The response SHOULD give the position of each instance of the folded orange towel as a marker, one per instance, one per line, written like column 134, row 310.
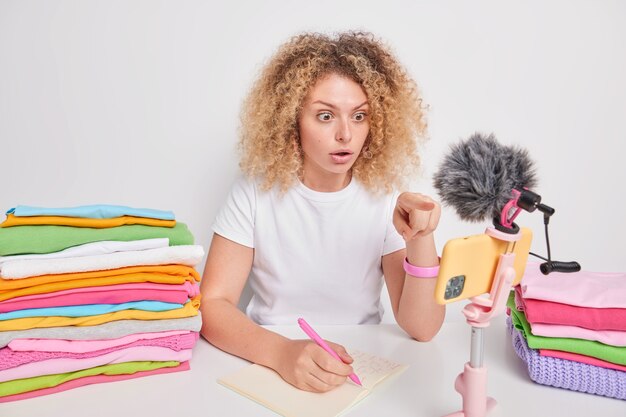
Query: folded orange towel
column 160, row 274
column 12, row 220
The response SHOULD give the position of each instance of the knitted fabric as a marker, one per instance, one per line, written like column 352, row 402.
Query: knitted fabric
column 562, row 373
column 11, row 359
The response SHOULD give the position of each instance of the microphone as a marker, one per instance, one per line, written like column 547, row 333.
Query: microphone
column 482, row 179
column 478, row 175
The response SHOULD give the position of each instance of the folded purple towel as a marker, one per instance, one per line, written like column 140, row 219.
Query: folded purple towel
column 572, row 375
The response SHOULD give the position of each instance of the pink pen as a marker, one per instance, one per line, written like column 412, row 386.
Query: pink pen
column 317, row 339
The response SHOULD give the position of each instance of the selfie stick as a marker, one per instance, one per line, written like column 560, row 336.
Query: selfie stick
column 472, row 382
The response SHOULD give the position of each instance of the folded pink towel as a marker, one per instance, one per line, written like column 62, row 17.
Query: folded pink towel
column 83, row 346
column 583, row 289
column 608, row 337
column 539, row 311
column 11, row 359
column 576, row 357
column 65, row 365
column 113, row 294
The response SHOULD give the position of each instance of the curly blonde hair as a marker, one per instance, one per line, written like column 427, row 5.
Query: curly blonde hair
column 269, row 138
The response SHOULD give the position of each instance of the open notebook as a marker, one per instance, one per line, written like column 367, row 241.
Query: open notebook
column 266, row 387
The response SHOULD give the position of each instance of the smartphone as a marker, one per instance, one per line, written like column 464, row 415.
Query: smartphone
column 468, row 265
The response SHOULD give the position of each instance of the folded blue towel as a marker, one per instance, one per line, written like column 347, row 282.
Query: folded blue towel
column 96, row 211
column 89, row 309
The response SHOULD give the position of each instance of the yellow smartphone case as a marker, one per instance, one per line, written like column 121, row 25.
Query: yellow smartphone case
column 468, row 265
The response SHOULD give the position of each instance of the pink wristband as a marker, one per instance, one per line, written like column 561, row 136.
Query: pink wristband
column 420, row 271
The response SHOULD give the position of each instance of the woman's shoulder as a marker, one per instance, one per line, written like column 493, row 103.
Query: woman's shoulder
column 246, row 183
column 243, row 188
column 252, row 188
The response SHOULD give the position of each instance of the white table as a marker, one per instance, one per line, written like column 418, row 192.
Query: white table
column 425, row 389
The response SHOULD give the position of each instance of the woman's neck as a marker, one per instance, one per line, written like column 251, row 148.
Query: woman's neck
column 326, row 183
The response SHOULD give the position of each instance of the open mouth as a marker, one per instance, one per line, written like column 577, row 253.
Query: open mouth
column 341, row 157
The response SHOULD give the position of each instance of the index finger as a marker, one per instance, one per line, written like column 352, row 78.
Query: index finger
column 411, row 201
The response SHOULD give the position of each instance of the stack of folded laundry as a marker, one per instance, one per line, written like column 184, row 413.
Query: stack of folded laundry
column 94, row 294
column 570, row 329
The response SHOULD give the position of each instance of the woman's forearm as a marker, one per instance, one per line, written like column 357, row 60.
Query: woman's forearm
column 230, row 330
column 418, row 312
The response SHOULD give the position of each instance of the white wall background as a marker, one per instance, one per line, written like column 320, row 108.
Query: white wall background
column 136, row 102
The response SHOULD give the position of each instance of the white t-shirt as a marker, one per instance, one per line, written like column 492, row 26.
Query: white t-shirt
column 317, row 255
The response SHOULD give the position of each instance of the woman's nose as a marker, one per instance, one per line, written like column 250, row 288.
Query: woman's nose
column 344, row 133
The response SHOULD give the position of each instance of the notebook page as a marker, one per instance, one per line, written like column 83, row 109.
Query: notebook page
column 372, row 369
column 266, row 387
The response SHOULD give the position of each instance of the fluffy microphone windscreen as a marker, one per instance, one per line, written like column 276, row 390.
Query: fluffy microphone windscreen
column 477, row 176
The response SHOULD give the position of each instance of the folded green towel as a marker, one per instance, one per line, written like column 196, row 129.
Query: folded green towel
column 18, row 386
column 45, row 239
column 614, row 354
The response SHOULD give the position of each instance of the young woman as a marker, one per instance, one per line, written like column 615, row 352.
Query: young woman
column 329, row 131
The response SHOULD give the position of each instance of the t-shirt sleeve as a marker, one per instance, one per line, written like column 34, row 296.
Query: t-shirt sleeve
column 235, row 220
column 393, row 240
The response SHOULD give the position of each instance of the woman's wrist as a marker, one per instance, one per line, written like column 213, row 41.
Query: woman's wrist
column 276, row 354
column 421, row 271
column 422, row 252
column 421, row 257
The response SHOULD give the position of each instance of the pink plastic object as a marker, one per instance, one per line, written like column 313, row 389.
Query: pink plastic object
column 505, row 219
column 472, row 382
column 420, row 271
column 472, row 385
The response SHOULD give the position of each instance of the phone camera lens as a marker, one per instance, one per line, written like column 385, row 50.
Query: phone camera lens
column 454, row 287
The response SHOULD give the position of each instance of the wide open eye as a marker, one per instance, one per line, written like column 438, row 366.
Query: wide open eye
column 325, row 116
column 360, row 116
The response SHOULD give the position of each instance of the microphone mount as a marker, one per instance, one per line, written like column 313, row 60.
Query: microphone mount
column 530, row 201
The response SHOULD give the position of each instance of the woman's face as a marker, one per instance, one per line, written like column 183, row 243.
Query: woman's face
column 333, row 126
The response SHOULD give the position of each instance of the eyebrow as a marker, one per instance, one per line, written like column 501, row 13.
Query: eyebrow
column 334, row 107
